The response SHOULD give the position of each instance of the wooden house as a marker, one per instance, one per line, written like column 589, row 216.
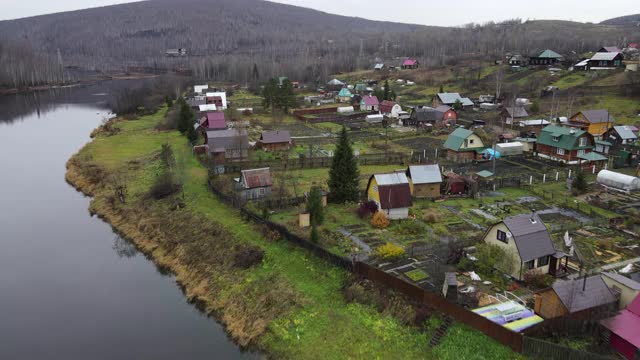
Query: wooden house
column 624, row 331
column 254, row 184
column 563, row 144
column 450, row 99
column 390, row 109
column 345, row 95
column 517, row 60
column 605, row 61
column 595, row 122
column 547, row 57
column 230, row 144
column 623, row 145
column 625, row 289
column 392, row 194
column 425, row 181
column 219, row 98
column 532, row 127
column 278, row 140
column 581, row 298
column 410, row 64
column 213, row 120
column 527, row 245
column 511, row 115
column 369, row 103
column 464, row 145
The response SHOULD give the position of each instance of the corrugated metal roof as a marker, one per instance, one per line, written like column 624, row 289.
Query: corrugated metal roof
column 539, row 122
column 531, row 237
column 344, row 92
column 550, row 54
column 634, row 285
column 335, row 82
column 607, row 56
column 255, row 178
column 207, row 107
column 425, row 174
column 614, row 49
column 387, row 106
column 370, row 101
column 220, row 140
column 566, row 139
column 627, row 324
column 596, row 293
column 273, row 137
column 391, row 179
column 456, row 139
column 625, row 132
column 597, row 116
column 592, row 156
column 516, row 112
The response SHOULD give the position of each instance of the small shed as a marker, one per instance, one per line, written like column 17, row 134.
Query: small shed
column 450, row 287
column 254, row 184
column 617, row 181
column 454, row 183
column 510, row 149
column 375, row 119
column 346, row 110
column 425, row 180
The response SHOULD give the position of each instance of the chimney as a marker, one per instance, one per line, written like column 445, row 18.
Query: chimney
column 533, row 217
column 584, row 283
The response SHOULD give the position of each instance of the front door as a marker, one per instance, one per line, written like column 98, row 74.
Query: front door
column 553, row 265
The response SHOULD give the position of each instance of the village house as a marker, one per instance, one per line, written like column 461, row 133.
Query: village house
column 580, row 298
column 335, row 85
column 532, row 127
column 517, row 60
column 464, row 145
column 623, row 146
column 254, row 184
column 450, row 99
column 219, row 98
column 605, row 61
column 609, row 49
column 230, row 144
column 369, row 103
column 547, row 57
column 344, row 95
column 278, row 140
column 392, row 194
column 595, row 122
column 425, row 181
column 213, row 121
column 624, row 331
column 527, row 245
column 511, row 115
column 625, row 289
column 199, row 89
column 410, row 64
column 390, row 109
column 378, row 67
column 563, row 144
column 441, row 116
column 207, row 107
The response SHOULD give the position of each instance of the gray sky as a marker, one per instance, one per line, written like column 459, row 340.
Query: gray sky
column 427, row 12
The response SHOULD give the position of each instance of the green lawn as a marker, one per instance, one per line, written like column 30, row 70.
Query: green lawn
column 571, row 80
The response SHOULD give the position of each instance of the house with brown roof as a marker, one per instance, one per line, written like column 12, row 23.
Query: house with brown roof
column 511, row 115
column 390, row 109
column 230, row 144
column 581, row 298
column 278, row 140
column 423, row 116
column 527, row 245
column 595, row 122
column 254, row 184
column 392, row 194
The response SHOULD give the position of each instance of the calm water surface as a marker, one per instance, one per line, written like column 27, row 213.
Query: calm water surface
column 69, row 287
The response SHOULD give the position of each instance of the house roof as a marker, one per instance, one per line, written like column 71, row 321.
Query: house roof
column 275, row 137
column 410, row 62
column 207, row 107
column 550, row 54
column 379, row 66
column 443, row 108
column 425, row 174
column 531, row 237
column 592, row 156
column 386, row 106
column 597, row 116
column 537, row 122
column 484, row 173
column 344, row 92
column 215, row 120
column 516, row 112
column 611, row 49
column 394, row 190
column 256, row 178
column 220, row 140
column 196, row 102
column 335, row 82
column 566, row 139
column 596, row 293
column 605, row 56
column 370, row 100
column 625, row 132
column 456, row 139
column 450, row 99
column 631, row 284
column 426, row 114
column 627, row 324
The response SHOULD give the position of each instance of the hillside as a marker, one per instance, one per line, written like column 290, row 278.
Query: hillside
column 633, row 20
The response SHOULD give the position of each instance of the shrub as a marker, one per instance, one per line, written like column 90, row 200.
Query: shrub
column 367, row 208
column 248, row 256
column 465, row 264
column 314, row 234
column 492, row 256
column 389, row 251
column 163, row 186
column 380, row 220
column 537, row 279
column 409, row 227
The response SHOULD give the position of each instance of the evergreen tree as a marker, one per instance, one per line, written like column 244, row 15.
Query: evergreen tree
column 314, row 206
column 192, row 134
column 314, row 234
column 344, row 174
column 269, row 94
column 256, row 74
column 580, row 182
column 386, row 95
column 457, row 106
column 186, row 117
column 286, row 99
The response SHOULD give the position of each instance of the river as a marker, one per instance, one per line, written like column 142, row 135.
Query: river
column 70, row 288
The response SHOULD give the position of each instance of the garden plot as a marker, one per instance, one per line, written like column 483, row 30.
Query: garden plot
column 599, row 246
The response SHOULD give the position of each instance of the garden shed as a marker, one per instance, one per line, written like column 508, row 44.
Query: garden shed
column 618, row 181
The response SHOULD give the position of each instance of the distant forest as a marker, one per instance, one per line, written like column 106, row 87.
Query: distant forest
column 251, row 41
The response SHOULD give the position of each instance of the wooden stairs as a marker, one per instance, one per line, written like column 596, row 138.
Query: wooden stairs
column 441, row 331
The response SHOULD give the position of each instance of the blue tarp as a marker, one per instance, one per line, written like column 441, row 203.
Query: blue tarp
column 490, row 154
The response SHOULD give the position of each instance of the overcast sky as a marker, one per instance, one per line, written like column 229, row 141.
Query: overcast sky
column 427, row 12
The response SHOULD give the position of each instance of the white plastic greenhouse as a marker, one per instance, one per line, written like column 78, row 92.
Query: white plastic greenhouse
column 618, row 181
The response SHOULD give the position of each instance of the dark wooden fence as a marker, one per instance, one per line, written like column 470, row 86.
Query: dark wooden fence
column 541, row 349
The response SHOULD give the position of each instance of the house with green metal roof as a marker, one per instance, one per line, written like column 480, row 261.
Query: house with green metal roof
column 344, row 95
column 464, row 145
column 547, row 57
column 564, row 144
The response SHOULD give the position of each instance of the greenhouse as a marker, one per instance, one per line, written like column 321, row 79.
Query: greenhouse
column 618, row 181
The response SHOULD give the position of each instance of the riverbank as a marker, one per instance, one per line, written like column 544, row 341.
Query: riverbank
column 290, row 305
column 92, row 79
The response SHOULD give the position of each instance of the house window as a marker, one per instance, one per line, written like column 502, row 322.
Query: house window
column 543, row 261
column 580, row 152
column 471, row 141
column 583, row 141
column 262, row 191
column 375, row 188
column 502, row 236
column 560, row 151
column 556, row 138
column 529, row 265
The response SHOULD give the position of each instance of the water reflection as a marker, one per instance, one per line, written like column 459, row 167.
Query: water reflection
column 124, row 248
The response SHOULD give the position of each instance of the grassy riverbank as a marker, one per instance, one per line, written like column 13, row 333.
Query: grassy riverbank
column 289, row 306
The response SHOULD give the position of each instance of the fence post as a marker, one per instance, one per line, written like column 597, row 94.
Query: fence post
column 557, row 175
column 531, row 180
column 544, row 178
column 569, row 177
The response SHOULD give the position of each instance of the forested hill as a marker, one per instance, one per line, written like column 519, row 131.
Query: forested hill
column 633, row 20
column 228, row 39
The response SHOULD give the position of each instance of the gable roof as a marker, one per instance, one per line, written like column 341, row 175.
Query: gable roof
column 566, row 139
column 456, row 139
column 215, row 120
column 625, row 132
column 426, row 114
column 379, row 66
column 386, row 106
column 207, row 107
column 443, row 108
column 344, row 92
column 597, row 116
column 255, row 178
column 531, row 237
column 550, row 54
column 516, row 112
column 275, row 137
column 605, row 56
column 370, row 100
column 410, row 62
column 592, row 156
column 627, row 324
column 631, row 284
column 335, row 82
column 221, row 140
column 425, row 174
column 613, row 49
column 394, row 190
column 450, row 98
column 596, row 293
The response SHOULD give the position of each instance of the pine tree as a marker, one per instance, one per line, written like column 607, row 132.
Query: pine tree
column 457, row 106
column 386, row 94
column 580, row 182
column 269, row 93
column 314, row 206
column 286, row 98
column 192, row 135
column 344, row 174
column 186, row 117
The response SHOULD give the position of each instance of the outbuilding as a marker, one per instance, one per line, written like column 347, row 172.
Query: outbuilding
column 375, row 119
column 510, row 149
column 425, row 180
column 617, row 181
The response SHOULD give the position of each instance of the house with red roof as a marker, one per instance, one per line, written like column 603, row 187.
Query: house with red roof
column 213, row 120
column 624, row 331
column 410, row 64
column 254, row 184
column 369, row 103
column 390, row 109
